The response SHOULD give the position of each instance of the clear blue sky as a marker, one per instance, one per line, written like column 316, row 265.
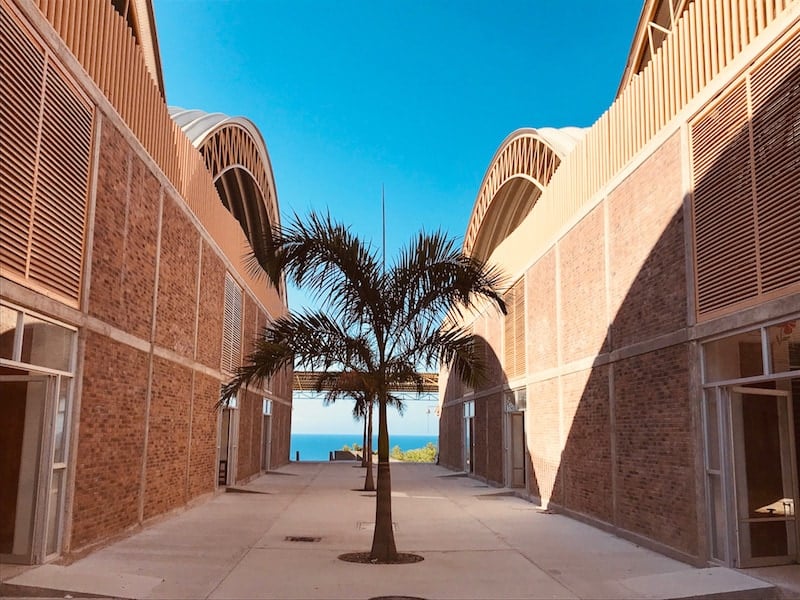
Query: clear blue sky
column 416, row 96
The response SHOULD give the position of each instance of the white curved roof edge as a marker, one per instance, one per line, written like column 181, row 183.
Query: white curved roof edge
column 198, row 125
column 562, row 139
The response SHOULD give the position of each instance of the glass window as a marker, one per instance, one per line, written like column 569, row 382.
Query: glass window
column 734, row 357
column 717, row 505
column 267, row 406
column 712, row 430
column 53, row 510
column 469, row 409
column 46, row 344
column 515, row 400
column 784, row 346
column 61, row 421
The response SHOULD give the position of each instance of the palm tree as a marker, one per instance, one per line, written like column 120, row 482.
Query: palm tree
column 356, row 386
column 383, row 324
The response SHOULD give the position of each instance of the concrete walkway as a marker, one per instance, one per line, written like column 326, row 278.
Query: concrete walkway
column 477, row 543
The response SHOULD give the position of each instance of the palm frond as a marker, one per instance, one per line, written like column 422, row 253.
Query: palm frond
column 336, row 266
column 433, row 277
column 459, row 351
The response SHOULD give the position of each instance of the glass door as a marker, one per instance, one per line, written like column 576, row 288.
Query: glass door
column 228, row 440
column 23, row 418
column 517, row 449
column 469, row 436
column 765, row 476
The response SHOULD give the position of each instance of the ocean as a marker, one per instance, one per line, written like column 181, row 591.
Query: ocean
column 317, row 446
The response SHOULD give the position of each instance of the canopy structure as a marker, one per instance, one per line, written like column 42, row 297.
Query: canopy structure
column 236, row 156
column 519, row 171
column 305, row 381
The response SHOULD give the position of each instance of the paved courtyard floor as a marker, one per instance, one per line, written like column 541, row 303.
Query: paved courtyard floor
column 477, row 542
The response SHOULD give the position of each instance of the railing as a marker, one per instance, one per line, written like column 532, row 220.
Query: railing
column 100, row 39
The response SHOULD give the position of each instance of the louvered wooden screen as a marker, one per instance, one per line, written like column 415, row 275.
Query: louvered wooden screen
column 705, row 39
column 100, row 39
column 775, row 89
column 746, row 173
column 45, row 141
column 514, row 331
column 232, row 327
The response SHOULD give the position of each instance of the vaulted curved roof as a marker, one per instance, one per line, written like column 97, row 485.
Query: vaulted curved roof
column 519, row 171
column 236, row 156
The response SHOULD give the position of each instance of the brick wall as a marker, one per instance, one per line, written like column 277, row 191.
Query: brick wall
column 110, row 441
column 125, row 238
column 494, row 438
column 167, row 437
column 280, row 440
column 203, row 454
column 540, row 291
column 655, row 449
column 647, row 257
column 586, row 462
column 572, row 427
column 249, row 324
column 177, row 281
column 211, row 309
column 544, row 440
column 451, row 442
column 493, row 333
column 245, row 400
column 181, row 432
column 480, row 438
column 250, row 425
column 583, row 289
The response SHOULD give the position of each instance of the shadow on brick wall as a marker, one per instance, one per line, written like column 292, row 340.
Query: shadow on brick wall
column 630, row 458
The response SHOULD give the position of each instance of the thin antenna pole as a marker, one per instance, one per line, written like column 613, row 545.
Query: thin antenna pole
column 383, row 221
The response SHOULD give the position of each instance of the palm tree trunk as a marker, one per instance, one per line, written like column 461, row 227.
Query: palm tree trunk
column 369, row 481
column 383, row 546
column 364, row 445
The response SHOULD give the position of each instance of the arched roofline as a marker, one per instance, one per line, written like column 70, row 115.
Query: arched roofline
column 204, row 128
column 527, row 153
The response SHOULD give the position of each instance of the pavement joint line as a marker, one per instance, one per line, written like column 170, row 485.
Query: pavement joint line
column 527, row 558
column 248, row 550
column 497, row 534
column 510, row 548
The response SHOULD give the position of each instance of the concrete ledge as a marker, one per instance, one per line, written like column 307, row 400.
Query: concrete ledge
column 71, row 579
column 715, row 583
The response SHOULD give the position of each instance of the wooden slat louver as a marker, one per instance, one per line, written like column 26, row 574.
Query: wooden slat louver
column 519, row 327
column 232, row 327
column 60, row 199
column 746, row 171
column 775, row 88
column 724, row 219
column 21, row 77
column 44, row 153
column 514, row 331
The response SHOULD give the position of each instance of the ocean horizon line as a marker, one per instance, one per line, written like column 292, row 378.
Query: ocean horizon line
column 318, row 446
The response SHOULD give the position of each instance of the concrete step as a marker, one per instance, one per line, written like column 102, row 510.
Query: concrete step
column 713, row 583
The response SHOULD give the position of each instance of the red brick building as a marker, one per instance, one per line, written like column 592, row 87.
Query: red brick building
column 125, row 302
column 646, row 378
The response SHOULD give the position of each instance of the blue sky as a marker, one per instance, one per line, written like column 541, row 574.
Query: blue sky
column 415, row 96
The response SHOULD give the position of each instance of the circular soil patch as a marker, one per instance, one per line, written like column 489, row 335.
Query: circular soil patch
column 403, row 558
